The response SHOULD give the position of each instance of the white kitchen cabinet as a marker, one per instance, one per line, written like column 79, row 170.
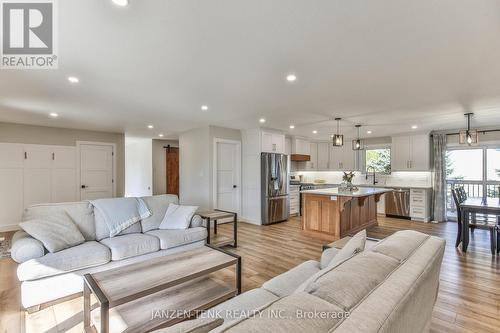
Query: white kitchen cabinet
column 272, row 142
column 301, row 146
column 420, row 204
column 312, row 164
column 323, row 155
column 294, row 199
column 410, row 153
column 342, row 158
column 288, row 145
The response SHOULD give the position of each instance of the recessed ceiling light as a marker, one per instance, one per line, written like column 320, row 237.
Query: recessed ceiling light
column 204, row 107
column 73, row 79
column 291, row 77
column 315, row 132
column 150, row 126
column 53, row 115
column 121, row 3
column 368, row 132
column 160, row 135
column 262, row 120
column 292, row 126
column 414, row 127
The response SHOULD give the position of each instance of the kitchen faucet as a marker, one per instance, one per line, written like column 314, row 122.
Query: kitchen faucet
column 374, row 175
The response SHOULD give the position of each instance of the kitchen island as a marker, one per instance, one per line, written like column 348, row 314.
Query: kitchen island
column 331, row 213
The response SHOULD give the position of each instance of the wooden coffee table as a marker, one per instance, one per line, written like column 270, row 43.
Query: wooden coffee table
column 158, row 292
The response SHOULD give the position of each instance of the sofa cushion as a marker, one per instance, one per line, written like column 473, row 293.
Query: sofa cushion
column 286, row 283
column 327, row 256
column 24, row 247
column 173, row 238
column 132, row 245
column 81, row 213
column 244, row 303
column 401, row 245
column 85, row 255
column 102, row 230
column 57, row 232
column 351, row 281
column 158, row 205
column 299, row 312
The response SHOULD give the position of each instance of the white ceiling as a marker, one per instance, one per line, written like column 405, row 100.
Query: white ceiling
column 387, row 64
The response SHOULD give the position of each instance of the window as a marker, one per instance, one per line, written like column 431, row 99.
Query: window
column 493, row 164
column 378, row 159
column 477, row 170
column 464, row 164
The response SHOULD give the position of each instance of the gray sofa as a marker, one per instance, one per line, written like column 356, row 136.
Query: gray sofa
column 390, row 287
column 47, row 277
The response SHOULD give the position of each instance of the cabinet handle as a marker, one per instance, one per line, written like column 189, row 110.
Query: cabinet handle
column 25, row 155
column 53, row 156
column 274, row 147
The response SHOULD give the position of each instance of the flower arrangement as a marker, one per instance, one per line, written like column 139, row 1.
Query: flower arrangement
column 347, row 182
column 348, row 176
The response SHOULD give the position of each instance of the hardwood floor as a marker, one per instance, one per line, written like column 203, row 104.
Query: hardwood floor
column 468, row 301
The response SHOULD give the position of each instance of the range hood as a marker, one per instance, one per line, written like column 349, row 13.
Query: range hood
column 300, row 158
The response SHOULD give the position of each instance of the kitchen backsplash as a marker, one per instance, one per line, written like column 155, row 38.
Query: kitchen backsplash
column 403, row 179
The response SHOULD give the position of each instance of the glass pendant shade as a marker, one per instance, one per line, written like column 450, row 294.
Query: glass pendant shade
column 468, row 136
column 358, row 143
column 338, row 139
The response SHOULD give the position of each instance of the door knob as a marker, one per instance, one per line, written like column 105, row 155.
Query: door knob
column 84, row 186
column 234, row 186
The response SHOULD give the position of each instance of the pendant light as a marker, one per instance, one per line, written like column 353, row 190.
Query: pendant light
column 358, row 144
column 338, row 139
column 468, row 136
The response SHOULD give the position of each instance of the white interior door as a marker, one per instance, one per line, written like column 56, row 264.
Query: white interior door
column 96, row 171
column 228, row 176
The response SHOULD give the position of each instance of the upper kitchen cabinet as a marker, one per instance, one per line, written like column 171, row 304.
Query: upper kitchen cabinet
column 410, row 153
column 272, row 142
column 323, row 156
column 301, row 146
column 313, row 153
column 342, row 158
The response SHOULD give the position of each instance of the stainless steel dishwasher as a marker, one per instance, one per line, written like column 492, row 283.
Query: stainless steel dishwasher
column 397, row 203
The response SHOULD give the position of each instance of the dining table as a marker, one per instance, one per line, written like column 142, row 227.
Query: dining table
column 487, row 206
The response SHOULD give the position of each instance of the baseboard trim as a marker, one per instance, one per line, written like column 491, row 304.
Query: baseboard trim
column 9, row 227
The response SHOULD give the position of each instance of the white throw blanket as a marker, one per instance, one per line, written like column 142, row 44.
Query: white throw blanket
column 121, row 213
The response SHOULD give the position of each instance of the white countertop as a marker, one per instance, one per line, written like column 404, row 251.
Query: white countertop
column 361, row 192
column 390, row 186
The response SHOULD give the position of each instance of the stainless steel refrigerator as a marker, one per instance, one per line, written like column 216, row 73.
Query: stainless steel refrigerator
column 274, row 187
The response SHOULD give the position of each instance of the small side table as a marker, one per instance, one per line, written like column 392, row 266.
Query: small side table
column 215, row 215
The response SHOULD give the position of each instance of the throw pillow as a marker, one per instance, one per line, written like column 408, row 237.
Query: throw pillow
column 178, row 217
column 56, row 232
column 327, row 256
column 354, row 246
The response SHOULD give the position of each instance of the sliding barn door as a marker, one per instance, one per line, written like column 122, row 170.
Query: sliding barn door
column 172, row 166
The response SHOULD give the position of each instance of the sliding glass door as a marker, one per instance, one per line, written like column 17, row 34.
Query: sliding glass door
column 477, row 169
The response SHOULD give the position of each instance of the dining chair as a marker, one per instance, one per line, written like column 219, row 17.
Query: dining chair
column 475, row 223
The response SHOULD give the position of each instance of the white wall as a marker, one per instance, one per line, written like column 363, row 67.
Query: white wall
column 194, row 168
column 138, row 167
column 196, row 163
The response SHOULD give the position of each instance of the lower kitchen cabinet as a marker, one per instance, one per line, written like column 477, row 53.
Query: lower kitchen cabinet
column 294, row 200
column 420, row 204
